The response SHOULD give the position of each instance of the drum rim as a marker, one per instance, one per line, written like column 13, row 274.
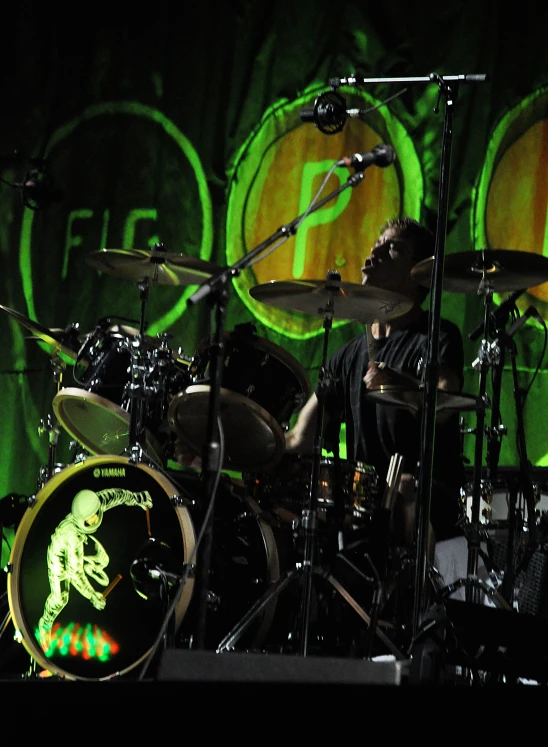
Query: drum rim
column 74, row 394
column 27, row 521
column 273, row 563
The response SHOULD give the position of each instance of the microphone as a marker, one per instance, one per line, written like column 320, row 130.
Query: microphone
column 381, row 155
column 38, row 191
column 154, row 565
column 329, row 113
column 500, row 313
column 531, row 311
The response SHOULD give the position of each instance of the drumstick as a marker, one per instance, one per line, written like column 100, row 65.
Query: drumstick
column 111, row 586
column 148, row 521
column 370, row 344
column 392, row 481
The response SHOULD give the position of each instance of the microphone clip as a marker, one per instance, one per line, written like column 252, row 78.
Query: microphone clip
column 329, row 113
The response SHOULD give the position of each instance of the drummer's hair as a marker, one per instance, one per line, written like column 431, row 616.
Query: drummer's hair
column 409, row 228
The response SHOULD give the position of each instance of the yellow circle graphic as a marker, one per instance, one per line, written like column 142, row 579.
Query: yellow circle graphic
column 274, row 180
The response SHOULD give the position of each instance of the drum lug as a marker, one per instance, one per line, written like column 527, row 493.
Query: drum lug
column 179, row 500
column 8, row 568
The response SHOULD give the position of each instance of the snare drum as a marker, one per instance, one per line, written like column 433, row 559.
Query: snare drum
column 78, row 606
column 262, row 386
column 96, row 413
column 348, row 492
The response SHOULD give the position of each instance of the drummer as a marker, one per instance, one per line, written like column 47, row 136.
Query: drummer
column 391, row 353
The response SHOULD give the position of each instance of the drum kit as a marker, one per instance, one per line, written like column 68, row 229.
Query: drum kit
column 135, row 401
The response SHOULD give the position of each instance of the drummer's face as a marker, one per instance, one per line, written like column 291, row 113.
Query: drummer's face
column 389, row 264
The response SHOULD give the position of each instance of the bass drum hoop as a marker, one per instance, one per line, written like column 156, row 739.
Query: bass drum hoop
column 23, row 633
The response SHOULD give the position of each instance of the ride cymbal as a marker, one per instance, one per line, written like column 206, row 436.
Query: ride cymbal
column 162, row 268
column 61, row 342
column 501, row 269
column 361, row 303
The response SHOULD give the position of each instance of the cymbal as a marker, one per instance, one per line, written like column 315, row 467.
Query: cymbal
column 411, row 398
column 502, row 269
column 60, row 341
column 162, row 268
column 362, row 303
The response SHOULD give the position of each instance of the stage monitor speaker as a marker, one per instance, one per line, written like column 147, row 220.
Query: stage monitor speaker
column 193, row 666
column 482, row 638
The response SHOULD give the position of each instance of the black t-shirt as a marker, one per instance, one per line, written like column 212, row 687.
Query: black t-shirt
column 389, row 430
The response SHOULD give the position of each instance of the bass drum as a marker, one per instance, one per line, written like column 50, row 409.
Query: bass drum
column 248, row 553
column 77, row 602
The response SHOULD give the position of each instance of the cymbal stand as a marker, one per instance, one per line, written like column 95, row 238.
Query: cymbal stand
column 525, row 481
column 212, row 458
column 138, row 391
column 482, row 363
column 494, row 435
column 51, row 427
column 305, row 570
column 488, row 355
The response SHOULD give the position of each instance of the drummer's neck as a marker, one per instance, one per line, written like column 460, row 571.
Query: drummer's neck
column 384, row 329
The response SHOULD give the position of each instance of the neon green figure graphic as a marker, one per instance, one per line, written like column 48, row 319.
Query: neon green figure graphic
column 67, row 560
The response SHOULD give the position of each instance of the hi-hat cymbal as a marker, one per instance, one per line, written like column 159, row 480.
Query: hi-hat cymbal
column 61, row 342
column 411, row 398
column 162, row 268
column 501, row 269
column 361, row 303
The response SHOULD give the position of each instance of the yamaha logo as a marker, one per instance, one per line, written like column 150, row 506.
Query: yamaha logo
column 109, row 472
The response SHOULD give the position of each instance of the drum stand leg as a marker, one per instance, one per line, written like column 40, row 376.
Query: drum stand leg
column 307, row 570
column 494, row 354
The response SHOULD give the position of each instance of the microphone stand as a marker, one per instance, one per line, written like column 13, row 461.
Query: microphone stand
column 448, row 86
column 428, row 423
column 216, row 288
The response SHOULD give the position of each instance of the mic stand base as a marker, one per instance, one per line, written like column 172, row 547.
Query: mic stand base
column 297, row 574
column 476, row 584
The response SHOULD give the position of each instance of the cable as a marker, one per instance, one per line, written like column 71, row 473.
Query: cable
column 191, row 560
column 260, row 257
column 537, row 369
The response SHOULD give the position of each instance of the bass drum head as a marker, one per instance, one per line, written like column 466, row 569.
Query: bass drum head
column 78, row 605
column 99, row 425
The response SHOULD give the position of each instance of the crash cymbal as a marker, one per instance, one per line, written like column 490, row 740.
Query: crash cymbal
column 361, row 303
column 411, row 398
column 61, row 342
column 502, row 269
column 162, row 268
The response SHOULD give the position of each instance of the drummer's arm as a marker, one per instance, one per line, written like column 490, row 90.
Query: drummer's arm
column 300, row 439
column 448, row 380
